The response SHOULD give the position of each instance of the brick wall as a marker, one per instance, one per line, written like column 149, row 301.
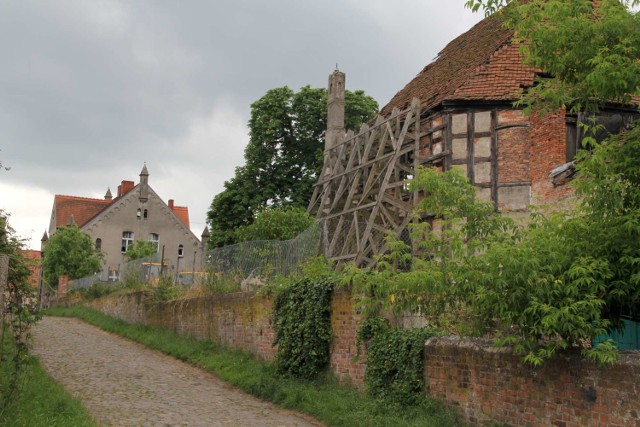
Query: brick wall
column 488, row 384
column 548, row 151
column 492, row 384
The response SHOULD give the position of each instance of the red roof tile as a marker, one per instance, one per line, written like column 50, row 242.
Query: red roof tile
column 481, row 64
column 82, row 209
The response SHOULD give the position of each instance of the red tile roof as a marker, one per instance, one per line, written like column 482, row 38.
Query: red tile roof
column 481, row 64
column 182, row 212
column 82, row 209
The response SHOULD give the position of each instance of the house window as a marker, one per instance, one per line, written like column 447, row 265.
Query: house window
column 609, row 123
column 127, row 240
column 145, row 214
column 98, row 244
column 139, row 213
column 155, row 239
column 180, row 251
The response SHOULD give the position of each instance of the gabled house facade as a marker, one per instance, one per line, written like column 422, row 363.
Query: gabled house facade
column 456, row 113
column 135, row 213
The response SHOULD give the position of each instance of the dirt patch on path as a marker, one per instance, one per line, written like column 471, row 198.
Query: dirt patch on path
column 122, row 383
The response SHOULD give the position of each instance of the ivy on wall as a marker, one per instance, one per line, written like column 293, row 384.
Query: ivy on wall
column 303, row 326
column 394, row 360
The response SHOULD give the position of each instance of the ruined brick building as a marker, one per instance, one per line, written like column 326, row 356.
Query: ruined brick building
column 456, row 113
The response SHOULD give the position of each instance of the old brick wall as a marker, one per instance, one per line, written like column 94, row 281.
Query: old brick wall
column 345, row 321
column 488, row 384
column 240, row 320
column 493, row 385
column 548, row 151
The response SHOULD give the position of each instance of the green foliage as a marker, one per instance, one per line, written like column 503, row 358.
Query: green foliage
column 452, row 226
column 301, row 313
column 552, row 284
column 70, row 251
column 19, row 313
column 322, row 398
column 283, row 157
column 283, row 223
column 140, row 249
column 167, row 290
column 394, row 360
column 590, row 55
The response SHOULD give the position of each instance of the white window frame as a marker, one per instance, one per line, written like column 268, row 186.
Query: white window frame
column 127, row 240
column 155, row 239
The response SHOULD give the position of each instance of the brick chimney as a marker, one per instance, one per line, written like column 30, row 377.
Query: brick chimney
column 125, row 187
column 170, row 204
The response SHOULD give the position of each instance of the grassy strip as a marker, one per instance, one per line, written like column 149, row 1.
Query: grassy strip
column 39, row 401
column 323, row 399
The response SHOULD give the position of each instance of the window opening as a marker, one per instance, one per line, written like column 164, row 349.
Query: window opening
column 180, row 250
column 155, row 239
column 127, row 240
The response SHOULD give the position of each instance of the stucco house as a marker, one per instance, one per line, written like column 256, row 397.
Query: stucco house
column 135, row 213
column 457, row 112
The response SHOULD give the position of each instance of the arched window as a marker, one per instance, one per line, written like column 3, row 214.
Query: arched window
column 180, row 250
column 139, row 213
column 98, row 244
column 145, row 214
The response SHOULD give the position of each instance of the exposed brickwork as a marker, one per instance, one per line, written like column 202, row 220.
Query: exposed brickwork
column 344, row 326
column 548, row 151
column 493, row 385
column 514, row 155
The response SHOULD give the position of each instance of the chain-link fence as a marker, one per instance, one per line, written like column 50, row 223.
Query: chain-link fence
column 265, row 258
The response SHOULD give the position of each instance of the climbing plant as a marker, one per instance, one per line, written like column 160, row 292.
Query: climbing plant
column 303, row 326
column 394, row 360
column 20, row 314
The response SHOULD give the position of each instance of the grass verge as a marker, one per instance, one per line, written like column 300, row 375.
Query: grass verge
column 39, row 401
column 323, row 399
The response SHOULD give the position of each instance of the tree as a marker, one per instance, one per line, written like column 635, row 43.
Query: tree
column 276, row 224
column 589, row 51
column 70, row 252
column 283, row 158
column 140, row 249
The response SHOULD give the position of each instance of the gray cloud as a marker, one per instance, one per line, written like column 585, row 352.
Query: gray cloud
column 91, row 90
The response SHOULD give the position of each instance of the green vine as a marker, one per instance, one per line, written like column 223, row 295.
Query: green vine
column 394, row 360
column 303, row 326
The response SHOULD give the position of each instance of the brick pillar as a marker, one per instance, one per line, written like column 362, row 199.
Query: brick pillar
column 63, row 282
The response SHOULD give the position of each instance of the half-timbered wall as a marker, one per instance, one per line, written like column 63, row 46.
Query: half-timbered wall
column 363, row 196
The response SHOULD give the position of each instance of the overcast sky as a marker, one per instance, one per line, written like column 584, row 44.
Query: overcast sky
column 90, row 90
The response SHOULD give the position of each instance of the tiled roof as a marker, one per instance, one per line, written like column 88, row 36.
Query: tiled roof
column 182, row 212
column 82, row 209
column 481, row 64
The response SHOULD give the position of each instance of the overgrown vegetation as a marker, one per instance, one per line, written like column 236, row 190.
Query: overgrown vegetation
column 301, row 313
column 167, row 289
column 19, row 314
column 70, row 252
column 140, row 249
column 395, row 361
column 322, row 398
column 283, row 223
column 40, row 402
column 283, row 157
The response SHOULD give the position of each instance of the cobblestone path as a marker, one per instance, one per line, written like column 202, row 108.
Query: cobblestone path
column 122, row 383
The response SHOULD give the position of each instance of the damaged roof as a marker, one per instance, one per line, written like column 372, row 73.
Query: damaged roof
column 482, row 64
